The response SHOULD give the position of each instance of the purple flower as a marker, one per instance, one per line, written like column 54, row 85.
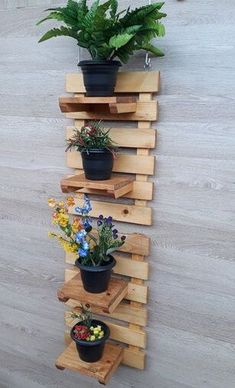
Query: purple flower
column 99, row 222
column 115, row 236
column 123, row 238
column 115, row 231
column 101, row 217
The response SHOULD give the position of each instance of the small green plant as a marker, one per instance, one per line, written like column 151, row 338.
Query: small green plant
column 91, row 136
column 105, row 32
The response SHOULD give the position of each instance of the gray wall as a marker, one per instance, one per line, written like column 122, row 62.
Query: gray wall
column 192, row 306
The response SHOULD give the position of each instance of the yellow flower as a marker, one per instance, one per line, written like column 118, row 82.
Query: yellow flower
column 50, row 234
column 61, row 204
column 70, row 201
column 92, row 338
column 76, row 225
column 63, row 220
column 51, row 202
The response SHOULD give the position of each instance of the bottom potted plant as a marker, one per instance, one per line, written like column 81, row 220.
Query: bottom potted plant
column 89, row 335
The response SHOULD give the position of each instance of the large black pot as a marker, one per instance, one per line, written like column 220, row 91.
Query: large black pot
column 96, row 279
column 99, row 77
column 97, row 164
column 91, row 351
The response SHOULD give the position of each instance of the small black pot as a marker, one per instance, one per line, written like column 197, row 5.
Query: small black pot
column 96, row 279
column 97, row 164
column 99, row 77
column 91, row 351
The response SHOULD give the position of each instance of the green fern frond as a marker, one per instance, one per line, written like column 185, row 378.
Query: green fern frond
column 120, row 40
column 62, row 31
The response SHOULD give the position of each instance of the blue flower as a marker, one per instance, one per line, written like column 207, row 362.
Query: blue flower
column 85, row 245
column 82, row 252
column 80, row 236
column 86, row 206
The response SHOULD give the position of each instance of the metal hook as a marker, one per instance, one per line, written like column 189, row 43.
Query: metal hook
column 147, row 62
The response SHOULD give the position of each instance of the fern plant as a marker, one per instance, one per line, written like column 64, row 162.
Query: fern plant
column 105, row 32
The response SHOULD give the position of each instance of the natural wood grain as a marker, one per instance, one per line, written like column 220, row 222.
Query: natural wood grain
column 142, row 111
column 127, row 137
column 135, row 292
column 126, row 82
column 107, row 301
column 116, row 186
column 124, row 266
column 123, row 312
column 101, row 370
column 125, row 213
column 131, row 357
column 135, row 337
column 115, row 105
column 135, row 243
column 124, row 163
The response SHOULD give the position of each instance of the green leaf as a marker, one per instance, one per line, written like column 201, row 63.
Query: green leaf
column 62, row 31
column 120, row 40
column 154, row 50
column 53, row 15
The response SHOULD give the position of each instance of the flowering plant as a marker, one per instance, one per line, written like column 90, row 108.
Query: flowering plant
column 93, row 246
column 91, row 136
column 86, row 331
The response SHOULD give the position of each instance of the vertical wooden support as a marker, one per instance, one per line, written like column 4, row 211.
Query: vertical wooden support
column 142, row 178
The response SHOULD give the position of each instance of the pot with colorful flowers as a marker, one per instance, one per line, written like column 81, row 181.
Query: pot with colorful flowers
column 93, row 245
column 89, row 335
column 97, row 150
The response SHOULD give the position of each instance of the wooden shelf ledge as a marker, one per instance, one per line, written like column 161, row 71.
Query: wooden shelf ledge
column 115, row 105
column 107, row 301
column 117, row 186
column 101, row 370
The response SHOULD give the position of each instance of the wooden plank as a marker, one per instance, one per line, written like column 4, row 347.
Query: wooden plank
column 134, row 337
column 120, row 212
column 127, row 137
column 139, row 191
column 117, row 108
column 107, row 301
column 124, row 266
column 131, row 164
column 116, row 186
column 135, row 243
column 101, row 370
column 81, row 99
column 131, row 357
column 127, row 82
column 123, row 312
column 135, row 292
column 146, row 111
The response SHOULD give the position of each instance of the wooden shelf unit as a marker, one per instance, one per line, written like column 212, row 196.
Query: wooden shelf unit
column 113, row 105
column 132, row 265
column 101, row 370
column 107, row 301
column 116, row 186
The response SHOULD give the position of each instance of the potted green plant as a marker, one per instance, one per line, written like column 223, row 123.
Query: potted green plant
column 108, row 35
column 89, row 335
column 97, row 150
column 93, row 246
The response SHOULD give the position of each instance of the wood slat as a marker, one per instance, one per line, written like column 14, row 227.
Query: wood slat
column 116, row 186
column 124, row 266
column 135, row 292
column 123, row 312
column 101, row 370
column 140, row 191
column 131, row 357
column 146, row 111
column 137, row 243
column 107, row 301
column 131, row 164
column 120, row 212
column 117, row 332
column 127, row 137
column 127, row 82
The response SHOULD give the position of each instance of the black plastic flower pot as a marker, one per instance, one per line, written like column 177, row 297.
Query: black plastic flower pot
column 95, row 279
column 99, row 77
column 91, row 351
column 97, row 164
